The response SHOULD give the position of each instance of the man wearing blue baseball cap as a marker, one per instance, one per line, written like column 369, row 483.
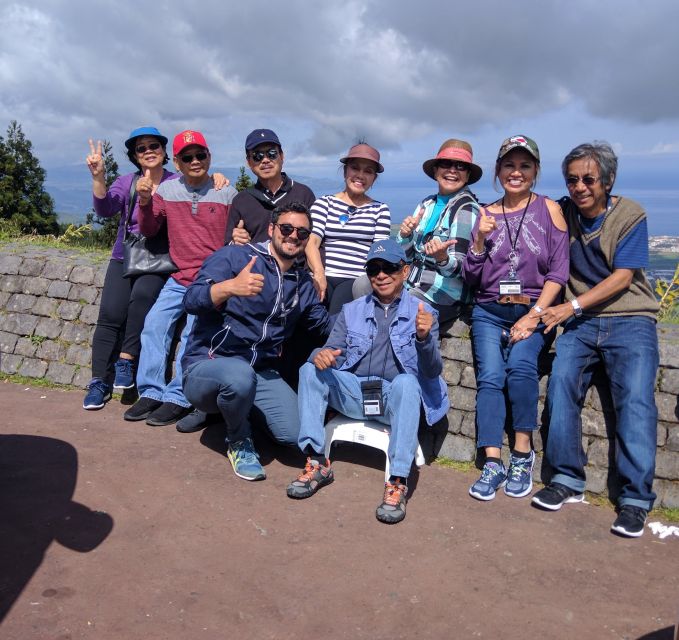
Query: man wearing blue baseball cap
column 381, row 362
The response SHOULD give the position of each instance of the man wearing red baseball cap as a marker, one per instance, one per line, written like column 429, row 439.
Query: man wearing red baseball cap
column 196, row 215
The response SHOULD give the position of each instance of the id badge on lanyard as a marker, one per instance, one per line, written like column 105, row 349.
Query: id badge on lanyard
column 511, row 285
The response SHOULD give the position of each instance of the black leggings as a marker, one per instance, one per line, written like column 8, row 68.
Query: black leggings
column 122, row 311
column 338, row 293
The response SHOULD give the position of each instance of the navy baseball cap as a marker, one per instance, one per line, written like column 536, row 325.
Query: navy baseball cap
column 260, row 136
column 388, row 250
column 144, row 131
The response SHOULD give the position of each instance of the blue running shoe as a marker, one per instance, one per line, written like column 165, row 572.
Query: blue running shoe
column 245, row 461
column 493, row 476
column 124, row 374
column 98, row 394
column 520, row 476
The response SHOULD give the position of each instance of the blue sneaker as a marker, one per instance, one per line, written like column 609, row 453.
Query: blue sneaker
column 124, row 374
column 492, row 478
column 98, row 394
column 520, row 476
column 245, row 461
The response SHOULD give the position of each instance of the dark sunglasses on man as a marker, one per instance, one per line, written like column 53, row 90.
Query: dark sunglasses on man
column 374, row 267
column 154, row 146
column 200, row 156
column 588, row 181
column 286, row 230
column 258, row 156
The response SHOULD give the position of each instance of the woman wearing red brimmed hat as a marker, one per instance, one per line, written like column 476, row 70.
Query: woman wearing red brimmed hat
column 347, row 224
column 436, row 237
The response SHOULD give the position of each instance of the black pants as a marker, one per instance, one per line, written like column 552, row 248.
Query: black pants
column 123, row 308
column 338, row 293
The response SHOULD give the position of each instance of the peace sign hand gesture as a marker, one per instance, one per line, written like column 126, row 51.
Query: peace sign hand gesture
column 95, row 160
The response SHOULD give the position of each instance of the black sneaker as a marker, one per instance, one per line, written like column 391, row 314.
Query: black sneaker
column 393, row 507
column 195, row 421
column 555, row 495
column 314, row 476
column 141, row 409
column 167, row 413
column 630, row 521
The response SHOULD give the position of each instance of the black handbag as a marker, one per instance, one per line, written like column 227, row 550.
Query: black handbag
column 141, row 254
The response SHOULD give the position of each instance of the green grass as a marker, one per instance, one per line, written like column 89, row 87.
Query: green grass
column 15, row 378
column 458, row 465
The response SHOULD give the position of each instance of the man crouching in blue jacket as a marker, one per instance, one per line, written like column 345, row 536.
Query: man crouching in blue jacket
column 380, row 362
column 247, row 300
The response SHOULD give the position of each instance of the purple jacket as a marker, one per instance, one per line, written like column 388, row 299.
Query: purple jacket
column 542, row 250
column 116, row 201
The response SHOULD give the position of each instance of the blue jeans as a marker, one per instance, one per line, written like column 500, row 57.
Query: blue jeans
column 156, row 339
column 342, row 391
column 230, row 386
column 628, row 347
column 501, row 364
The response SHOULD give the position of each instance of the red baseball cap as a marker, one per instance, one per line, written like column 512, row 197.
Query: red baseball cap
column 186, row 139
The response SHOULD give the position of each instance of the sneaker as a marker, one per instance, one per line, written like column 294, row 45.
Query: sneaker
column 141, row 409
column 493, row 476
column 124, row 374
column 520, row 476
column 630, row 521
column 195, row 421
column 245, row 461
column 314, row 476
column 393, row 507
column 167, row 413
column 555, row 495
column 98, row 394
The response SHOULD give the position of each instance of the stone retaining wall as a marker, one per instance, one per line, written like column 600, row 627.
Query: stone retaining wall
column 49, row 304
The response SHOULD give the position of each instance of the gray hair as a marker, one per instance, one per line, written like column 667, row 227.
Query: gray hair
column 602, row 154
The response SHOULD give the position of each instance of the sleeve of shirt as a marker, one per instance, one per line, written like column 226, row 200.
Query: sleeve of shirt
column 429, row 363
column 336, row 340
column 383, row 224
column 315, row 318
column 460, row 230
column 309, row 198
column 216, row 268
column 559, row 256
column 114, row 201
column 632, row 250
column 234, row 217
column 319, row 214
column 151, row 216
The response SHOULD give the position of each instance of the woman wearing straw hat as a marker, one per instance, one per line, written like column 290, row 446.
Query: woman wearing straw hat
column 347, row 224
column 436, row 237
column 518, row 264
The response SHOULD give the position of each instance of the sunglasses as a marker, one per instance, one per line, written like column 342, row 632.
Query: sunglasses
column 452, row 164
column 200, row 156
column 374, row 267
column 588, row 181
column 286, row 230
column 154, row 146
column 258, row 156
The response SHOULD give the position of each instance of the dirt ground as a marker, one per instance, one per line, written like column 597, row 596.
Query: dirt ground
column 116, row 530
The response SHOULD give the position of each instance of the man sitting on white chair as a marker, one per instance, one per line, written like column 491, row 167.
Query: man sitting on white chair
column 381, row 362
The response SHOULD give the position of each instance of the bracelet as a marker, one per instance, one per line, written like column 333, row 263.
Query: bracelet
column 478, row 255
column 537, row 308
column 443, row 263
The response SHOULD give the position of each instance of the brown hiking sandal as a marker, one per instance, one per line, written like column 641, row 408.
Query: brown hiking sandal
column 314, row 476
column 393, row 507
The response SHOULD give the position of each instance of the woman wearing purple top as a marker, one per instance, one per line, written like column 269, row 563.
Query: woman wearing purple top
column 518, row 264
column 124, row 301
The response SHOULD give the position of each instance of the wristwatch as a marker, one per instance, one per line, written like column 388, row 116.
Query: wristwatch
column 577, row 309
column 538, row 309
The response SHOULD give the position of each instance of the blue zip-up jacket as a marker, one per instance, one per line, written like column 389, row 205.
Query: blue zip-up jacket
column 253, row 328
column 354, row 332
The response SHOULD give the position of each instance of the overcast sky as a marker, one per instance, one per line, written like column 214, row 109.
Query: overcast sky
column 404, row 74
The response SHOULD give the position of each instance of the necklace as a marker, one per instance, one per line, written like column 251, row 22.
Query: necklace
column 513, row 256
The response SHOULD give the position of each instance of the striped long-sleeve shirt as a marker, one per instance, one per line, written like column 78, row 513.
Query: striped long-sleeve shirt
column 347, row 233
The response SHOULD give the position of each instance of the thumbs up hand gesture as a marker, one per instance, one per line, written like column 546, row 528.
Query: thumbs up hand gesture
column 240, row 234
column 410, row 224
column 423, row 322
column 145, row 188
column 487, row 224
column 326, row 358
column 246, row 283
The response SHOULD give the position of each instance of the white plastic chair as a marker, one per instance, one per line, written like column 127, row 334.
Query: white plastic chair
column 367, row 432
